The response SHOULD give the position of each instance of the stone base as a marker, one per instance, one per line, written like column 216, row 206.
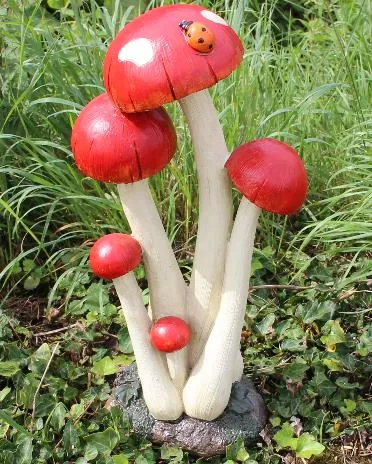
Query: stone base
column 245, row 416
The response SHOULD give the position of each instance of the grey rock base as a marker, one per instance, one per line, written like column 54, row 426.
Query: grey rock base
column 245, row 416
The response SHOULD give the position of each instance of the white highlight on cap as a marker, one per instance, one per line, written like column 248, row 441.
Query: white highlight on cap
column 213, row 17
column 100, row 125
column 138, row 51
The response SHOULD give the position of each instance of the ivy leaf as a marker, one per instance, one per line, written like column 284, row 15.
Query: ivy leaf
column 284, row 438
column 350, row 406
column 26, row 394
column 105, row 366
column 39, row 359
column 236, row 451
column 292, row 345
column 343, row 382
column 295, row 371
column 8, row 368
column 97, row 296
column 365, row 342
column 71, row 440
column 321, row 383
column 45, row 404
column 105, row 441
column 23, row 454
column 31, row 282
column 265, row 326
column 307, row 446
column 77, row 308
column 57, row 418
column 333, row 364
column 171, row 453
column 125, row 344
column 120, row 459
column 81, row 461
column 256, row 265
column 333, row 334
column 90, row 452
column 316, row 311
column 275, row 421
column 242, row 455
column 123, row 360
column 141, row 460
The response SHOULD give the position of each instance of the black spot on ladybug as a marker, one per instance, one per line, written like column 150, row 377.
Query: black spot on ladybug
column 201, row 40
column 204, row 29
column 189, row 35
column 210, row 46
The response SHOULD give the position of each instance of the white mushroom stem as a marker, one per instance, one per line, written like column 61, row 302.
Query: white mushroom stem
column 238, row 367
column 215, row 217
column 166, row 285
column 208, row 389
column 161, row 396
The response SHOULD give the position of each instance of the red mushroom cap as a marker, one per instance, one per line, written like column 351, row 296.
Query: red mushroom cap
column 150, row 62
column 114, row 255
column 111, row 146
column 270, row 174
column 170, row 334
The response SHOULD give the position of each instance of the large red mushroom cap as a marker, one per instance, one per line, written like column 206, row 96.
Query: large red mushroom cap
column 170, row 334
column 114, row 255
column 112, row 146
column 270, row 174
column 168, row 53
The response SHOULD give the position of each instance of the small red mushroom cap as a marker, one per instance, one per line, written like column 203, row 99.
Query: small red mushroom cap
column 114, row 255
column 155, row 59
column 170, row 334
column 112, row 146
column 270, row 174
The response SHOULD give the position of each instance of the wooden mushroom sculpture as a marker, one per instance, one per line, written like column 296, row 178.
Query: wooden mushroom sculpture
column 173, row 53
column 126, row 149
column 114, row 256
column 271, row 176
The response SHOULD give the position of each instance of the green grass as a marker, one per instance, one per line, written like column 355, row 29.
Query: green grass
column 305, row 79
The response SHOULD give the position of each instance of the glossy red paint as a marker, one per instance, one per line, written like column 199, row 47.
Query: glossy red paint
column 150, row 63
column 270, row 174
column 170, row 334
column 111, row 146
column 114, row 255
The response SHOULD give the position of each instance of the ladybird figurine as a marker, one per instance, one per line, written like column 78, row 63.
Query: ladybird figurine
column 198, row 36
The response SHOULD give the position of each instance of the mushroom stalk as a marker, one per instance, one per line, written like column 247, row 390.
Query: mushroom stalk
column 208, row 389
column 215, row 217
column 166, row 285
column 160, row 394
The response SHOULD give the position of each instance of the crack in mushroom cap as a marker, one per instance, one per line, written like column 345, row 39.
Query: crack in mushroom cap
column 270, row 174
column 115, row 147
column 149, row 63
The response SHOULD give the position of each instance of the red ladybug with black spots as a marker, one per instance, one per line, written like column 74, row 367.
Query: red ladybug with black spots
column 198, row 36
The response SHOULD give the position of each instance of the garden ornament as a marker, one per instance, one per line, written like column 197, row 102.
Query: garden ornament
column 172, row 53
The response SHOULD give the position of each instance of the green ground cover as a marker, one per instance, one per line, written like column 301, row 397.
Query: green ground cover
column 306, row 80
